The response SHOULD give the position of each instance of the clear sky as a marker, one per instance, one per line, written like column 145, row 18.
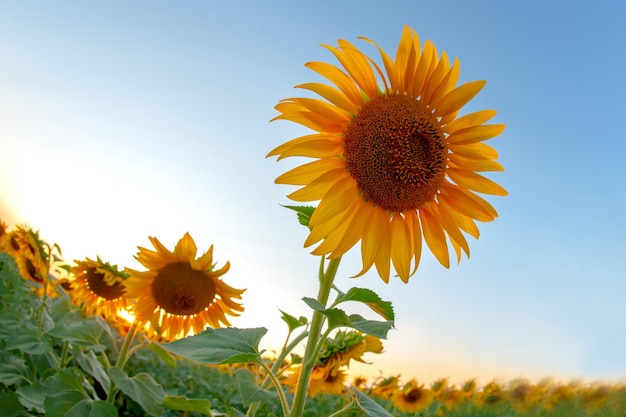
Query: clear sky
column 123, row 120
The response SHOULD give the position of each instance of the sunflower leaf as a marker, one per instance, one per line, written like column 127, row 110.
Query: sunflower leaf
column 337, row 318
column 180, row 403
column 292, row 322
column 250, row 391
column 220, row 346
column 314, row 304
column 369, row 298
column 371, row 327
column 163, row 354
column 370, row 407
column 304, row 213
column 142, row 388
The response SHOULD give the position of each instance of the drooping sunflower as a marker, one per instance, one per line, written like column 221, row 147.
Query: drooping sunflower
column 26, row 247
column 324, row 380
column 180, row 292
column 394, row 162
column 99, row 287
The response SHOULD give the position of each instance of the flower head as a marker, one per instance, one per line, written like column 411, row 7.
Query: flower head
column 412, row 397
column 394, row 163
column 179, row 292
column 99, row 287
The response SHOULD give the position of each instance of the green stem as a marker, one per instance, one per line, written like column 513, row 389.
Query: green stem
column 283, row 354
column 308, row 361
column 279, row 389
column 121, row 360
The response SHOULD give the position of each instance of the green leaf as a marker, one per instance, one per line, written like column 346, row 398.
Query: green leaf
column 89, row 363
column 198, row 405
column 250, row 391
column 220, row 346
column 337, row 318
column 304, row 213
column 63, row 391
column 142, row 388
column 10, row 405
column 313, row 303
column 12, row 369
column 32, row 396
column 91, row 408
column 292, row 322
column 372, row 327
column 27, row 340
column 369, row 406
column 371, row 299
column 80, row 332
column 163, row 354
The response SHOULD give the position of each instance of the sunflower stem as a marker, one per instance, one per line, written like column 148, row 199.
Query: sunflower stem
column 121, row 359
column 309, row 359
column 279, row 389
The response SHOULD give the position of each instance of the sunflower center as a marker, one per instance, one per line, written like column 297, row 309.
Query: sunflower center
column 32, row 270
column 180, row 289
column 396, row 151
column 413, row 395
column 97, row 285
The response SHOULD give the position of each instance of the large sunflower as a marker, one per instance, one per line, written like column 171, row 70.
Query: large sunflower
column 395, row 163
column 99, row 287
column 179, row 293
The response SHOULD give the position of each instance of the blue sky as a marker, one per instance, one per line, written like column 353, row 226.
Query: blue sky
column 120, row 121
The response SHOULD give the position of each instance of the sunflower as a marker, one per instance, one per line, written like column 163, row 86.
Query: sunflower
column 3, row 232
column 324, row 380
column 412, row 397
column 26, row 248
column 394, row 163
column 179, row 293
column 99, row 287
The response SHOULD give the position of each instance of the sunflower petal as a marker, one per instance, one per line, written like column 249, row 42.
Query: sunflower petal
column 401, row 252
column 435, row 237
column 458, row 97
column 475, row 134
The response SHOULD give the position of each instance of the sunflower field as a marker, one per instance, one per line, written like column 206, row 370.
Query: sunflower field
column 63, row 356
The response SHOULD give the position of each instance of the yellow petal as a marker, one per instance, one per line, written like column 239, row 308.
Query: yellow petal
column 469, row 120
column 435, row 237
column 369, row 244
column 339, row 78
column 475, row 151
column 389, row 66
column 475, row 182
column 337, row 97
column 336, row 200
column 401, row 251
column 317, row 188
column 311, row 146
column 304, row 174
column 477, row 165
column 458, row 97
column 442, row 68
column 355, row 229
column 413, row 223
column 475, row 134
column 447, row 83
column 468, row 203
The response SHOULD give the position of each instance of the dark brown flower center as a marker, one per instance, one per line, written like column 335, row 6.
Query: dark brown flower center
column 32, row 270
column 180, row 289
column 413, row 395
column 97, row 285
column 396, row 151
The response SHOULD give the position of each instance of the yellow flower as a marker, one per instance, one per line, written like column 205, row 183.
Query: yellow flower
column 394, row 162
column 99, row 287
column 412, row 397
column 386, row 387
column 338, row 351
column 180, row 293
column 3, row 233
column 324, row 380
column 25, row 246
